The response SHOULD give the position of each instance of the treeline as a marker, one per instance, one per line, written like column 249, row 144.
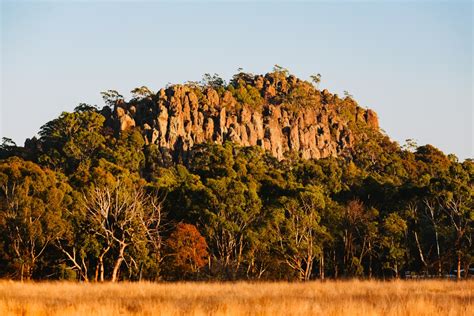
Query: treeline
column 84, row 203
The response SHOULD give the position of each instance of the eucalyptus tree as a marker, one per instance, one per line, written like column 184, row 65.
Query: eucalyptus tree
column 32, row 200
column 122, row 217
column 301, row 235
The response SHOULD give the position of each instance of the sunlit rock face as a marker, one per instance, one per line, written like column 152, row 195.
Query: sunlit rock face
column 289, row 115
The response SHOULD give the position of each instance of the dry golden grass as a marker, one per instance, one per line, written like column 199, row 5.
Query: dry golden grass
column 312, row 298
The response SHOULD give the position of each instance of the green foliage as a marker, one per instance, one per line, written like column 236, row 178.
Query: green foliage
column 301, row 95
column 377, row 210
column 316, row 79
column 280, row 70
column 32, row 202
column 112, row 97
column 246, row 94
column 141, row 93
column 214, row 81
column 394, row 229
column 301, row 235
column 261, row 218
column 71, row 139
column 126, row 151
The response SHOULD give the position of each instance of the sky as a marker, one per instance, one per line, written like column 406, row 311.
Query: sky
column 410, row 61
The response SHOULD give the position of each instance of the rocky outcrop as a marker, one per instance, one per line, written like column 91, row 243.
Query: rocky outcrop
column 372, row 119
column 124, row 120
column 181, row 116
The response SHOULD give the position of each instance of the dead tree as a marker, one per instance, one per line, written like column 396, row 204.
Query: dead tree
column 122, row 216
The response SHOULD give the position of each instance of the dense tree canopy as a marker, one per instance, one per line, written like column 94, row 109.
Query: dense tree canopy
column 87, row 202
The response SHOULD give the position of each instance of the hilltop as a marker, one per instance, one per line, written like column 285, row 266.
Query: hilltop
column 276, row 111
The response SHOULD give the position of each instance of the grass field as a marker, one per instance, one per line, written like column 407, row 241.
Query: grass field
column 312, row 298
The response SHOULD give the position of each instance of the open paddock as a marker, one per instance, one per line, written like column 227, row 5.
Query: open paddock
column 427, row 297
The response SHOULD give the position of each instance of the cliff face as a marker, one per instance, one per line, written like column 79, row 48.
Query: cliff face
column 287, row 114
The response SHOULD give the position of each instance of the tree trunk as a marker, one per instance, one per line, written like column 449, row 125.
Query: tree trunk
column 440, row 273
column 370, row 265
column 140, row 273
column 85, row 271
column 321, row 266
column 96, row 274
column 458, row 276
column 309, row 266
column 239, row 256
column 101, row 268
column 431, row 210
column 119, row 261
column 22, row 271
column 101, row 264
column 420, row 251
column 28, row 272
column 117, row 265
column 309, row 269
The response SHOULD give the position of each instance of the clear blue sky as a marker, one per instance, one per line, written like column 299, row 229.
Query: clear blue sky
column 412, row 62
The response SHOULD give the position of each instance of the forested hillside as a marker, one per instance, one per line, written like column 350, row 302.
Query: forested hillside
column 264, row 177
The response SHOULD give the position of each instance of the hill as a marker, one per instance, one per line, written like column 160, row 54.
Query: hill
column 265, row 177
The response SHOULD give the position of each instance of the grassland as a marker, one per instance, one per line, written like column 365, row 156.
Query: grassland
column 312, row 298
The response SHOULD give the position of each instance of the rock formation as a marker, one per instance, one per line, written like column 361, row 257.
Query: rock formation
column 289, row 115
